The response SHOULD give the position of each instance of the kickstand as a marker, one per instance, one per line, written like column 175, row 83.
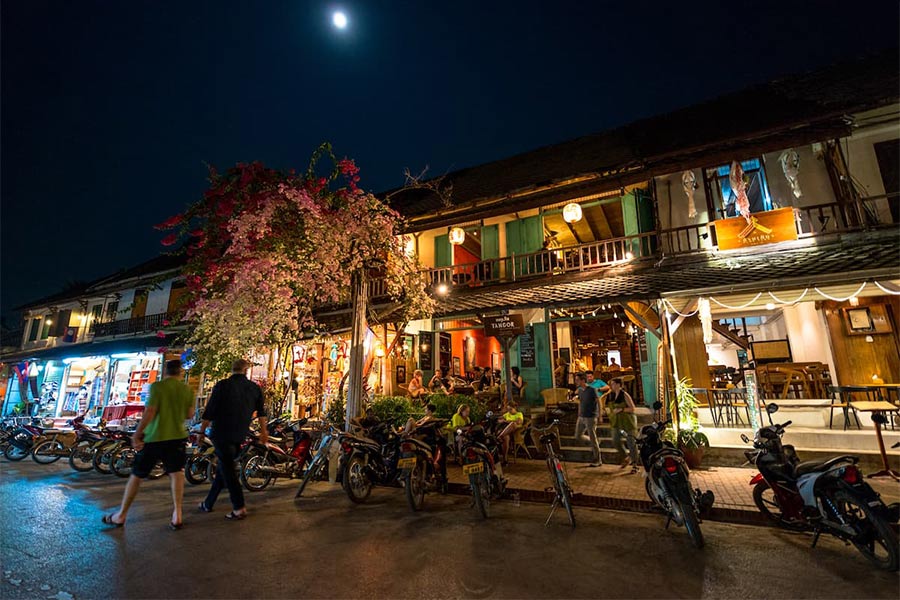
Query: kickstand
column 816, row 537
column 552, row 510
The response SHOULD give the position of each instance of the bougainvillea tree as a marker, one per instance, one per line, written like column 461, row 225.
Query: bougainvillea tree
column 267, row 248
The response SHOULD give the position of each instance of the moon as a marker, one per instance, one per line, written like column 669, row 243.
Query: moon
column 339, row 19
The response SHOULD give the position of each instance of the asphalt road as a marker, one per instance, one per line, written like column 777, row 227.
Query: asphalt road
column 322, row 546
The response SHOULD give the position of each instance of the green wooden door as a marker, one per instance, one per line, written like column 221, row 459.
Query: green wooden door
column 490, row 242
column 637, row 215
column 524, row 236
column 443, row 251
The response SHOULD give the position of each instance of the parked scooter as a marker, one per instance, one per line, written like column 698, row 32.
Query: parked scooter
column 57, row 443
column 480, row 451
column 370, row 459
column 318, row 466
column 827, row 496
column 273, row 460
column 667, row 480
column 24, row 439
column 423, row 461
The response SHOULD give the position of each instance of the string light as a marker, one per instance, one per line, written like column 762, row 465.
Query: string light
column 856, row 293
column 780, row 301
column 723, row 305
column 886, row 291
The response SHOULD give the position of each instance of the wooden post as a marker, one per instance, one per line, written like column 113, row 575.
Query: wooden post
column 357, row 348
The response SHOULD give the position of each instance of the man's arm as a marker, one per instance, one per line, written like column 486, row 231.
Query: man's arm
column 263, row 431
column 138, row 438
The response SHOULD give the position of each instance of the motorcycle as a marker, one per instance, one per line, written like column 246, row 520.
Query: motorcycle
column 201, row 462
column 25, row 438
column 423, row 461
column 319, row 464
column 667, row 480
column 57, row 443
column 273, row 461
column 822, row 496
column 369, row 459
column 480, row 451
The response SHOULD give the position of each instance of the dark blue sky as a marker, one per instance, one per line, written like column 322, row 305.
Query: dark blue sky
column 109, row 109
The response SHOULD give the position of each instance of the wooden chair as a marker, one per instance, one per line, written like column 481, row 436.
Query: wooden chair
column 554, row 396
column 841, row 396
column 705, row 398
column 797, row 382
column 518, row 441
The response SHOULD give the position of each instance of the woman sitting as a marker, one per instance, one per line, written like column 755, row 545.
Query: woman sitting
column 440, row 383
column 514, row 420
column 417, row 387
column 459, row 420
column 411, row 423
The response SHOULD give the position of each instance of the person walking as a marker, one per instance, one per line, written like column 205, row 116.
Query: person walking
column 231, row 407
column 620, row 407
column 161, row 436
column 588, row 411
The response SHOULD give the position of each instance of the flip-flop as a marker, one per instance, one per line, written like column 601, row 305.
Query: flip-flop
column 204, row 508
column 175, row 526
column 233, row 516
column 108, row 520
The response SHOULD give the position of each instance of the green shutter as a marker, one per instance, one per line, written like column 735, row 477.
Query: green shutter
column 490, row 242
column 443, row 251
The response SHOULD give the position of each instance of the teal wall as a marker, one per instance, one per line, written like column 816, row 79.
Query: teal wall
column 649, row 370
column 541, row 376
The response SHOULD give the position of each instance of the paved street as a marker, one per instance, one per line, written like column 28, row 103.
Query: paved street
column 322, row 546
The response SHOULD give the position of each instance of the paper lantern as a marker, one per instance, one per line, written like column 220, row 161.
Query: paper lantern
column 457, row 236
column 572, row 212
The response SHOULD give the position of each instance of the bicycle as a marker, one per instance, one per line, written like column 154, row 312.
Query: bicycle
column 557, row 471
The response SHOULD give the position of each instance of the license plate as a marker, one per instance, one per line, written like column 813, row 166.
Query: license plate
column 875, row 503
column 190, row 450
column 406, row 463
column 473, row 468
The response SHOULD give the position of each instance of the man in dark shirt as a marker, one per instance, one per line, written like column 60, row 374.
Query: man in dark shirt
column 231, row 407
column 588, row 411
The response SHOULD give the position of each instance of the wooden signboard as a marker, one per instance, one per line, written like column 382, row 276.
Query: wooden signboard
column 767, row 227
column 504, row 326
column 526, row 349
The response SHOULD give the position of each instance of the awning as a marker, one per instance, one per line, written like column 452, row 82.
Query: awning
column 150, row 343
column 860, row 258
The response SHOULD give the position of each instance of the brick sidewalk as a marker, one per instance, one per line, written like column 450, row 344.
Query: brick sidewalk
column 729, row 484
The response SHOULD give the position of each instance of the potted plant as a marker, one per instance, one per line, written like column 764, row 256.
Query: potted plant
column 690, row 440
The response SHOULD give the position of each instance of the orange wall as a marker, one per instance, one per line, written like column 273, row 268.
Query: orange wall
column 484, row 346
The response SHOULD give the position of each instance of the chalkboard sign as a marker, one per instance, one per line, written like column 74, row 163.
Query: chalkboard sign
column 526, row 348
column 426, row 350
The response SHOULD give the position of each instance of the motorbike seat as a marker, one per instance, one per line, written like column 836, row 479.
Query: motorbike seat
column 275, row 440
column 814, row 466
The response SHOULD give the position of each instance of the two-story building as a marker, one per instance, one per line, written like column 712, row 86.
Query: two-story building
column 97, row 345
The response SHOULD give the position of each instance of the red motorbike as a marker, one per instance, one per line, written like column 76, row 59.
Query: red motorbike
column 273, row 460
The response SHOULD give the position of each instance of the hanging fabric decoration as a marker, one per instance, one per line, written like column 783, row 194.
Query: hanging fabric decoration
column 790, row 164
column 689, row 183
column 739, row 188
column 705, row 319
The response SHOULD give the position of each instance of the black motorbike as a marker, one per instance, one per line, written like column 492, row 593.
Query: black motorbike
column 480, row 451
column 370, row 458
column 667, row 480
column 423, row 461
column 822, row 496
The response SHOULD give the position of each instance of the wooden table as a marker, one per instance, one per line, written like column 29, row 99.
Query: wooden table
column 879, row 406
column 887, row 391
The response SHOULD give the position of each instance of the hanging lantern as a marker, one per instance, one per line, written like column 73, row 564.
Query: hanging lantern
column 457, row 236
column 572, row 212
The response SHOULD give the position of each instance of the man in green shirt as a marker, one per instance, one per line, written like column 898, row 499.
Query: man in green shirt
column 160, row 437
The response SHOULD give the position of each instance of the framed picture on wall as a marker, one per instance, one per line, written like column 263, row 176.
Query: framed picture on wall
column 469, row 354
column 495, row 361
column 456, row 369
column 401, row 373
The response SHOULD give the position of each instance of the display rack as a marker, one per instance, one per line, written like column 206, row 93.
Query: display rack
column 139, row 378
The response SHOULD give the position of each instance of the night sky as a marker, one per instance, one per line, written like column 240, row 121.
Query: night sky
column 110, row 109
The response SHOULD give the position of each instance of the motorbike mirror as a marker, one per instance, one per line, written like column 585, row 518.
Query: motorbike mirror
column 744, row 438
column 459, row 432
column 771, row 408
column 489, row 414
column 657, row 405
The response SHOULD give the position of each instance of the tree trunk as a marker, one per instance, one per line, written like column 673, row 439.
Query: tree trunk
column 357, row 349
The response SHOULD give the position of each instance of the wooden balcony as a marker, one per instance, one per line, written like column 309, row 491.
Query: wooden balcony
column 133, row 326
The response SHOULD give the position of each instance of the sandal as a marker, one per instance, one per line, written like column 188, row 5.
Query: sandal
column 175, row 526
column 108, row 520
column 233, row 516
column 204, row 508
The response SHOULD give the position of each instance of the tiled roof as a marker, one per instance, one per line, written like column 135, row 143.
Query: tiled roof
column 845, row 260
column 810, row 106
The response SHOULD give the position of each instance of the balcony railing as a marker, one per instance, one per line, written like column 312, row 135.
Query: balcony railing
column 131, row 326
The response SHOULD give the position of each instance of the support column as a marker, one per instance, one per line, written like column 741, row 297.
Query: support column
column 357, row 348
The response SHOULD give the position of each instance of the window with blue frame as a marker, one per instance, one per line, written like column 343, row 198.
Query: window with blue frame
column 757, row 188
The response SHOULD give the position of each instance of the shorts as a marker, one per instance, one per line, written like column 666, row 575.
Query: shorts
column 170, row 452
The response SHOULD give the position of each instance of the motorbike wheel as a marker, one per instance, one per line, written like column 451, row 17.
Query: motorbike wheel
column 251, row 476
column 102, row 459
column 481, row 492
column 14, row 453
column 47, row 452
column 415, row 486
column 875, row 540
column 356, row 482
column 767, row 503
column 121, row 462
column 689, row 515
column 81, row 457
column 565, row 496
column 196, row 470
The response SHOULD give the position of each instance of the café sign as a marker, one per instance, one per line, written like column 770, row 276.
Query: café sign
column 762, row 228
column 504, row 325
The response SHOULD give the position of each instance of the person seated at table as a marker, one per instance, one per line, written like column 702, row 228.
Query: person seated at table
column 417, row 387
column 440, row 383
column 514, row 420
column 484, row 381
column 561, row 373
column 613, row 365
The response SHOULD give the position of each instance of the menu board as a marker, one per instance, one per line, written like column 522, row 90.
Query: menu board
column 526, row 348
column 426, row 350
